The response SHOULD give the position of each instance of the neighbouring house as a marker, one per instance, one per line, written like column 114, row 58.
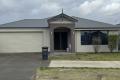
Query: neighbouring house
column 58, row 33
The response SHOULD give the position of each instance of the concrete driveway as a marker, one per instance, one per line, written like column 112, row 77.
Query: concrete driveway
column 18, row 66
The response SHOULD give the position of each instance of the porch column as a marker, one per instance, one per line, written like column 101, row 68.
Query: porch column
column 72, row 40
column 51, row 40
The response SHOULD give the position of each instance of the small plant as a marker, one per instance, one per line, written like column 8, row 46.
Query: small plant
column 43, row 68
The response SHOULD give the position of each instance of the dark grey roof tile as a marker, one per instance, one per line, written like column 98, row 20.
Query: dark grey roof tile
column 27, row 23
column 81, row 23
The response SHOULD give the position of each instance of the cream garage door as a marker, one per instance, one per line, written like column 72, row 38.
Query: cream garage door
column 15, row 42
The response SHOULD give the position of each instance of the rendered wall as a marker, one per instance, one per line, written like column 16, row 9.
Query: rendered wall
column 89, row 48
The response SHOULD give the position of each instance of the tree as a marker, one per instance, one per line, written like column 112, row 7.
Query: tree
column 112, row 42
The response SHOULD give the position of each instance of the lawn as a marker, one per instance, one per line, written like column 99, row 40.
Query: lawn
column 77, row 74
column 88, row 57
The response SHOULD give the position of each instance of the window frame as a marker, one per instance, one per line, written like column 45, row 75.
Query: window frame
column 90, row 32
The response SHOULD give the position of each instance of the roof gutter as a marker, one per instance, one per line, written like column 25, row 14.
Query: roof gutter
column 77, row 29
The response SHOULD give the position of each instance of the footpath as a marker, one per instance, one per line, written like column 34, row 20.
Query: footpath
column 89, row 64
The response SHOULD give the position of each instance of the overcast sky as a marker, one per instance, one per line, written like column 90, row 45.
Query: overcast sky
column 101, row 10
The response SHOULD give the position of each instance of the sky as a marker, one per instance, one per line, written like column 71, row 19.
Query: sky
column 107, row 11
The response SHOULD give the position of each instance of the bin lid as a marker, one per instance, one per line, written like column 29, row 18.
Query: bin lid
column 45, row 47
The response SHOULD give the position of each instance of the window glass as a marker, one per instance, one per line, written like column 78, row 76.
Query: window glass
column 87, row 37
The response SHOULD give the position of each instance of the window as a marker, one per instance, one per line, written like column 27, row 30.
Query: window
column 88, row 36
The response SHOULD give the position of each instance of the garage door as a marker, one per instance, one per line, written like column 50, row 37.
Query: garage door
column 21, row 42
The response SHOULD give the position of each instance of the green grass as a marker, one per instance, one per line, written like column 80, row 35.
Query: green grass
column 77, row 74
column 88, row 57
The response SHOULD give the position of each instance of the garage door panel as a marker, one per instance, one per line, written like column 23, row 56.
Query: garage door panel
column 21, row 42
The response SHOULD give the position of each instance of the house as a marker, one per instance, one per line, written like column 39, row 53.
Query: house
column 59, row 33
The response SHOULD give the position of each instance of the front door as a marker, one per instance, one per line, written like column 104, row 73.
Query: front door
column 60, row 40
